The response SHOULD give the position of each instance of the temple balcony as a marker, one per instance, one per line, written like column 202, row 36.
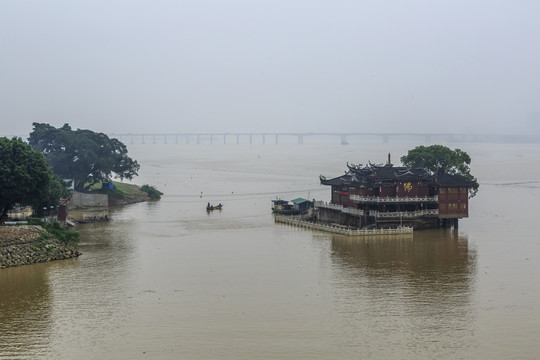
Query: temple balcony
column 343, row 209
column 393, row 199
column 379, row 214
column 406, row 214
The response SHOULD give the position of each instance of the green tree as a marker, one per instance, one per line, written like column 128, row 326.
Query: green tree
column 24, row 175
column 56, row 190
column 85, row 156
column 441, row 159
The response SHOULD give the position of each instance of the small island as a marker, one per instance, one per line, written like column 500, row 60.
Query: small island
column 431, row 190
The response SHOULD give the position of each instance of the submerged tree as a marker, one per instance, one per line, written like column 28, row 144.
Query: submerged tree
column 441, row 159
column 25, row 177
column 85, row 156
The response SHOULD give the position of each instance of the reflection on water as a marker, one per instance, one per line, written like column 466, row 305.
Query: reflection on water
column 410, row 290
column 25, row 311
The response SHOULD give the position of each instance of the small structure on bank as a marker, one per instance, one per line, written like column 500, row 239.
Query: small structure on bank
column 294, row 207
column 88, row 207
column 385, row 196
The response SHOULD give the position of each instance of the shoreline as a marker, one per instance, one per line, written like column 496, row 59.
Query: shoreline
column 26, row 245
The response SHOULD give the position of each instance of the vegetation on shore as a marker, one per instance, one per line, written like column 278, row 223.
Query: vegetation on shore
column 152, row 192
column 55, row 231
column 31, row 173
column 85, row 156
column 123, row 193
column 25, row 177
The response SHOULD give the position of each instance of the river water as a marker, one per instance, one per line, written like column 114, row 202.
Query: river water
column 167, row 280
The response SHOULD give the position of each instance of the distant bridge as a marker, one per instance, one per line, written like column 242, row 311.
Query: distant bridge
column 343, row 138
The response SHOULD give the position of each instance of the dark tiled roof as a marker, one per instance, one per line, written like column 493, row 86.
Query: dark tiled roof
column 445, row 179
column 373, row 175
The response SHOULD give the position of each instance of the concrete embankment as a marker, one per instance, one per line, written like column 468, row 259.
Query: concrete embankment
column 29, row 244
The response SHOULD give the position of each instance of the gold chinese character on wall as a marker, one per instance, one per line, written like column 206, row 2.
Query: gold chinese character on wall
column 407, row 187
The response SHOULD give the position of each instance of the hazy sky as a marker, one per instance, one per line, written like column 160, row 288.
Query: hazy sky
column 208, row 65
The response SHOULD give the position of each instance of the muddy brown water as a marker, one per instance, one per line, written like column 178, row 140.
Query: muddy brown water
column 167, row 280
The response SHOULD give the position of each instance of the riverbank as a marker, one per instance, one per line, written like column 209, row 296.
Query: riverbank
column 125, row 194
column 31, row 244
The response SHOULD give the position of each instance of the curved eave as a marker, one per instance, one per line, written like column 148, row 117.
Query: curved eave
column 331, row 182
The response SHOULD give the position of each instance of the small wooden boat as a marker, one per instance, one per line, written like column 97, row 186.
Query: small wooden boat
column 212, row 207
column 93, row 220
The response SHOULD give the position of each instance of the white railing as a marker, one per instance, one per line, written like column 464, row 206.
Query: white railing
column 336, row 229
column 388, row 199
column 378, row 214
column 405, row 214
column 343, row 209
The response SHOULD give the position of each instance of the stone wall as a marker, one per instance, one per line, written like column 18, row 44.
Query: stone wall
column 85, row 200
column 24, row 245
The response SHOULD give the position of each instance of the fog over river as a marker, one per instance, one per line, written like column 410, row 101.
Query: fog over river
column 167, row 280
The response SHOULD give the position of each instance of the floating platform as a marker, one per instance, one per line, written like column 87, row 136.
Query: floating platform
column 342, row 230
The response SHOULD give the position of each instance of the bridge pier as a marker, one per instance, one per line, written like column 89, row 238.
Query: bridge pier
column 237, row 139
column 250, row 139
column 224, row 139
column 300, row 139
column 277, row 139
column 198, row 139
column 264, row 139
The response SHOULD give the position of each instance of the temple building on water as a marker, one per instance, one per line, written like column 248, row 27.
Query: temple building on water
column 387, row 196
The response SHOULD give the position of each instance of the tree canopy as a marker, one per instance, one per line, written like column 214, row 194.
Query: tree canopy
column 85, row 156
column 441, row 159
column 25, row 177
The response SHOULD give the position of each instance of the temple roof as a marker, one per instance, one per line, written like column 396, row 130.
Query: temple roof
column 374, row 175
column 445, row 179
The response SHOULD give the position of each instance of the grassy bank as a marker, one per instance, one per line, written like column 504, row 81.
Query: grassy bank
column 123, row 194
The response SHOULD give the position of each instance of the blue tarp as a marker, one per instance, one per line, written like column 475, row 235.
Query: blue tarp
column 109, row 186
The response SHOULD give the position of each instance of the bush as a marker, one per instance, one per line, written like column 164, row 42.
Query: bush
column 152, row 192
column 35, row 221
column 61, row 234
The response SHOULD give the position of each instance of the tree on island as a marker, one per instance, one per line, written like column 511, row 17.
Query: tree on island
column 85, row 156
column 25, row 177
column 441, row 159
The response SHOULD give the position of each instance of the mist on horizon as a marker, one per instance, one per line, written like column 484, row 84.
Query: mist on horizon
column 209, row 66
